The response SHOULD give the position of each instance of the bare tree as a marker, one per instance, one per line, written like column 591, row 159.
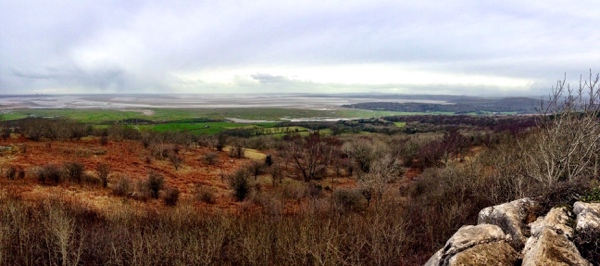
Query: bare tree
column 566, row 147
column 176, row 160
column 308, row 155
column 360, row 151
column 384, row 170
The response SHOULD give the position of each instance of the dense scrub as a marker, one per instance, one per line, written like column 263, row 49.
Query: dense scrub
column 407, row 195
column 52, row 233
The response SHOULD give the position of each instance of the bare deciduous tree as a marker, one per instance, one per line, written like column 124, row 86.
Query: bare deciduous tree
column 566, row 147
column 308, row 155
column 384, row 170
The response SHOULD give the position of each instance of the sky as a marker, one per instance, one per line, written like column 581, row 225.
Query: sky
column 484, row 48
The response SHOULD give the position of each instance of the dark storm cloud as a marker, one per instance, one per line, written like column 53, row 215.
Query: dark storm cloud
column 178, row 46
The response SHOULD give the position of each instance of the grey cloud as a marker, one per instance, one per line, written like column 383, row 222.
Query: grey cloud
column 134, row 46
column 25, row 75
column 268, row 78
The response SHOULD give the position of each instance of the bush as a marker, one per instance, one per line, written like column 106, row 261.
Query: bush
column 564, row 193
column 171, row 196
column 236, row 151
column 205, row 195
column 122, row 187
column 103, row 140
column 443, row 200
column 48, row 174
column 294, row 191
column 20, row 173
column 11, row 172
column 103, row 171
column 154, row 183
column 91, row 180
column 238, row 181
column 255, row 167
column 344, row 200
column 73, row 171
column 220, row 142
column 5, row 133
column 176, row 160
column 211, row 158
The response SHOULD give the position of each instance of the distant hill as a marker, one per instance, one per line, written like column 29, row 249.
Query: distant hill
column 521, row 105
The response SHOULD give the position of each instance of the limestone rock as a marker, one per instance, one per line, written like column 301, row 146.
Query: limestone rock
column 512, row 218
column 435, row 259
column 495, row 253
column 588, row 217
column 550, row 242
column 468, row 245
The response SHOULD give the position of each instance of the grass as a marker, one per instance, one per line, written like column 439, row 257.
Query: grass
column 97, row 116
column 196, row 128
column 80, row 115
column 182, row 120
column 400, row 124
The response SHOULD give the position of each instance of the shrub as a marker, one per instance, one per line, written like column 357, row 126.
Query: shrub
column 270, row 205
column 123, row 186
column 176, row 160
column 171, row 196
column 269, row 160
column 20, row 173
column 562, row 194
column 314, row 190
column 103, row 140
column 344, row 200
column 103, row 171
column 220, row 142
column 236, row 151
column 73, row 171
column 255, row 167
column 205, row 195
column 593, row 195
column 294, row 191
column 5, row 133
column 211, row 158
column 154, row 183
column 91, row 180
column 443, row 200
column 238, row 181
column 48, row 174
column 11, row 172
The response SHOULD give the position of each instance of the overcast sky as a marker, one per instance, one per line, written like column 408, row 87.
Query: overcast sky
column 473, row 47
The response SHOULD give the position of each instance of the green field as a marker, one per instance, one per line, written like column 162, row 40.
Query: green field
column 98, row 116
column 400, row 124
column 190, row 120
column 195, row 128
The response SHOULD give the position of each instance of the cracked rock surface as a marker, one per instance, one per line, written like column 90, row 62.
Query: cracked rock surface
column 550, row 243
column 588, row 216
column 508, row 235
column 469, row 244
column 512, row 217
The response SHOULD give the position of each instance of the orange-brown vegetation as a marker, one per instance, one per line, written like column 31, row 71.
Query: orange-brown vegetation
column 318, row 200
column 130, row 159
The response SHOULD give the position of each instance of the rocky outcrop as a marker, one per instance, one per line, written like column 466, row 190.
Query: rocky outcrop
column 512, row 217
column 476, row 245
column 550, row 242
column 510, row 234
column 587, row 230
column 588, row 216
